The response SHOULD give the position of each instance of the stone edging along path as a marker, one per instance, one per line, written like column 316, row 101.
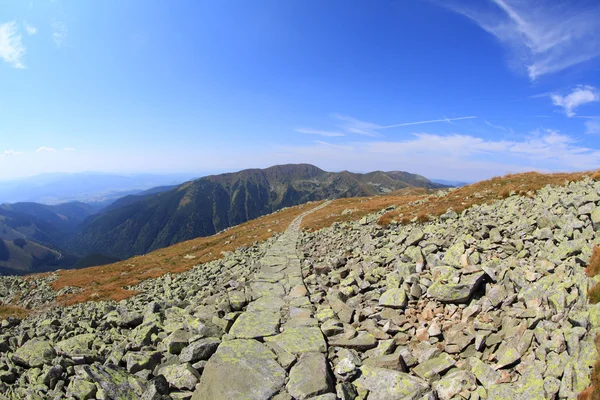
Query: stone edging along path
column 275, row 348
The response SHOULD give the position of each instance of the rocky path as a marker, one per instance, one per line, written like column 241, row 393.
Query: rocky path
column 275, row 348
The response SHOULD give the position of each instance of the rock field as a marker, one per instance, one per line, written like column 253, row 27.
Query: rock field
column 488, row 304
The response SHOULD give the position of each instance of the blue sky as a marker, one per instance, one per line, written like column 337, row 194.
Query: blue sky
column 448, row 89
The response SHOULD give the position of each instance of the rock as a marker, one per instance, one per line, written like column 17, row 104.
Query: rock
column 248, row 367
column 595, row 217
column 395, row 298
column 79, row 345
column 254, row 325
column 137, row 361
column 384, row 384
column 484, row 373
column 415, row 237
column 181, row 376
column 300, row 340
column 113, row 381
column 176, row 341
column 454, row 254
column 81, row 390
column 509, row 356
column 455, row 383
column 200, row 350
column 362, row 342
column 34, row 353
column 309, row 377
column 529, row 387
column 156, row 389
column 434, row 366
column 389, row 361
column 456, row 292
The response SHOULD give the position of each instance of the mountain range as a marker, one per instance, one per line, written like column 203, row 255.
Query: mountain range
column 162, row 216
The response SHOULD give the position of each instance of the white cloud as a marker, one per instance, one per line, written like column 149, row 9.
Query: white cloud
column 45, row 149
column 59, row 33
column 579, row 96
column 30, row 29
column 455, row 156
column 593, row 126
column 12, row 50
column 10, row 152
column 69, row 149
column 544, row 36
column 319, row 132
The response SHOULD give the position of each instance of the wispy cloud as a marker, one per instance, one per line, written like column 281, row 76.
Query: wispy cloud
column 69, row 149
column 499, row 127
column 59, row 33
column 579, row 96
column 544, row 36
column 10, row 152
column 45, row 149
column 319, row 132
column 455, row 156
column 351, row 125
column 12, row 49
column 30, row 29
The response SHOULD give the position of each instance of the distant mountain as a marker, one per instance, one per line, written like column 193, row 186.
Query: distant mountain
column 20, row 256
column 86, row 187
column 65, row 217
column 133, row 198
column 450, row 183
column 213, row 203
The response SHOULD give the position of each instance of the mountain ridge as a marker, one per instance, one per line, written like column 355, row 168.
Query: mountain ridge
column 210, row 204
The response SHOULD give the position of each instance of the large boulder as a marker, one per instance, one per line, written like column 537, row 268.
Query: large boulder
column 34, row 353
column 241, row 368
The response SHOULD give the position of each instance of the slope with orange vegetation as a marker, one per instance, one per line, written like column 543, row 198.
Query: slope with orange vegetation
column 352, row 209
column 480, row 193
column 108, row 282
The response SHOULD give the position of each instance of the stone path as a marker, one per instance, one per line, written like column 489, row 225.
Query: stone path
column 275, row 348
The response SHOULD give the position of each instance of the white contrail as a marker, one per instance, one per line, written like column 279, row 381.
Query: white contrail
column 426, row 122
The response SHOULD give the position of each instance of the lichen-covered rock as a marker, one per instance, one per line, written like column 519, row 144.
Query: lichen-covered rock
column 254, row 325
column 384, row 384
column 309, row 377
column 456, row 292
column 300, row 340
column 180, row 376
column 241, row 368
column 199, row 350
column 34, row 353
column 79, row 345
column 395, row 298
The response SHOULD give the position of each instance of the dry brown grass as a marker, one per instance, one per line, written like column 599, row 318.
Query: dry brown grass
column 359, row 207
column 593, row 267
column 593, row 391
column 12, row 311
column 107, row 282
column 479, row 193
